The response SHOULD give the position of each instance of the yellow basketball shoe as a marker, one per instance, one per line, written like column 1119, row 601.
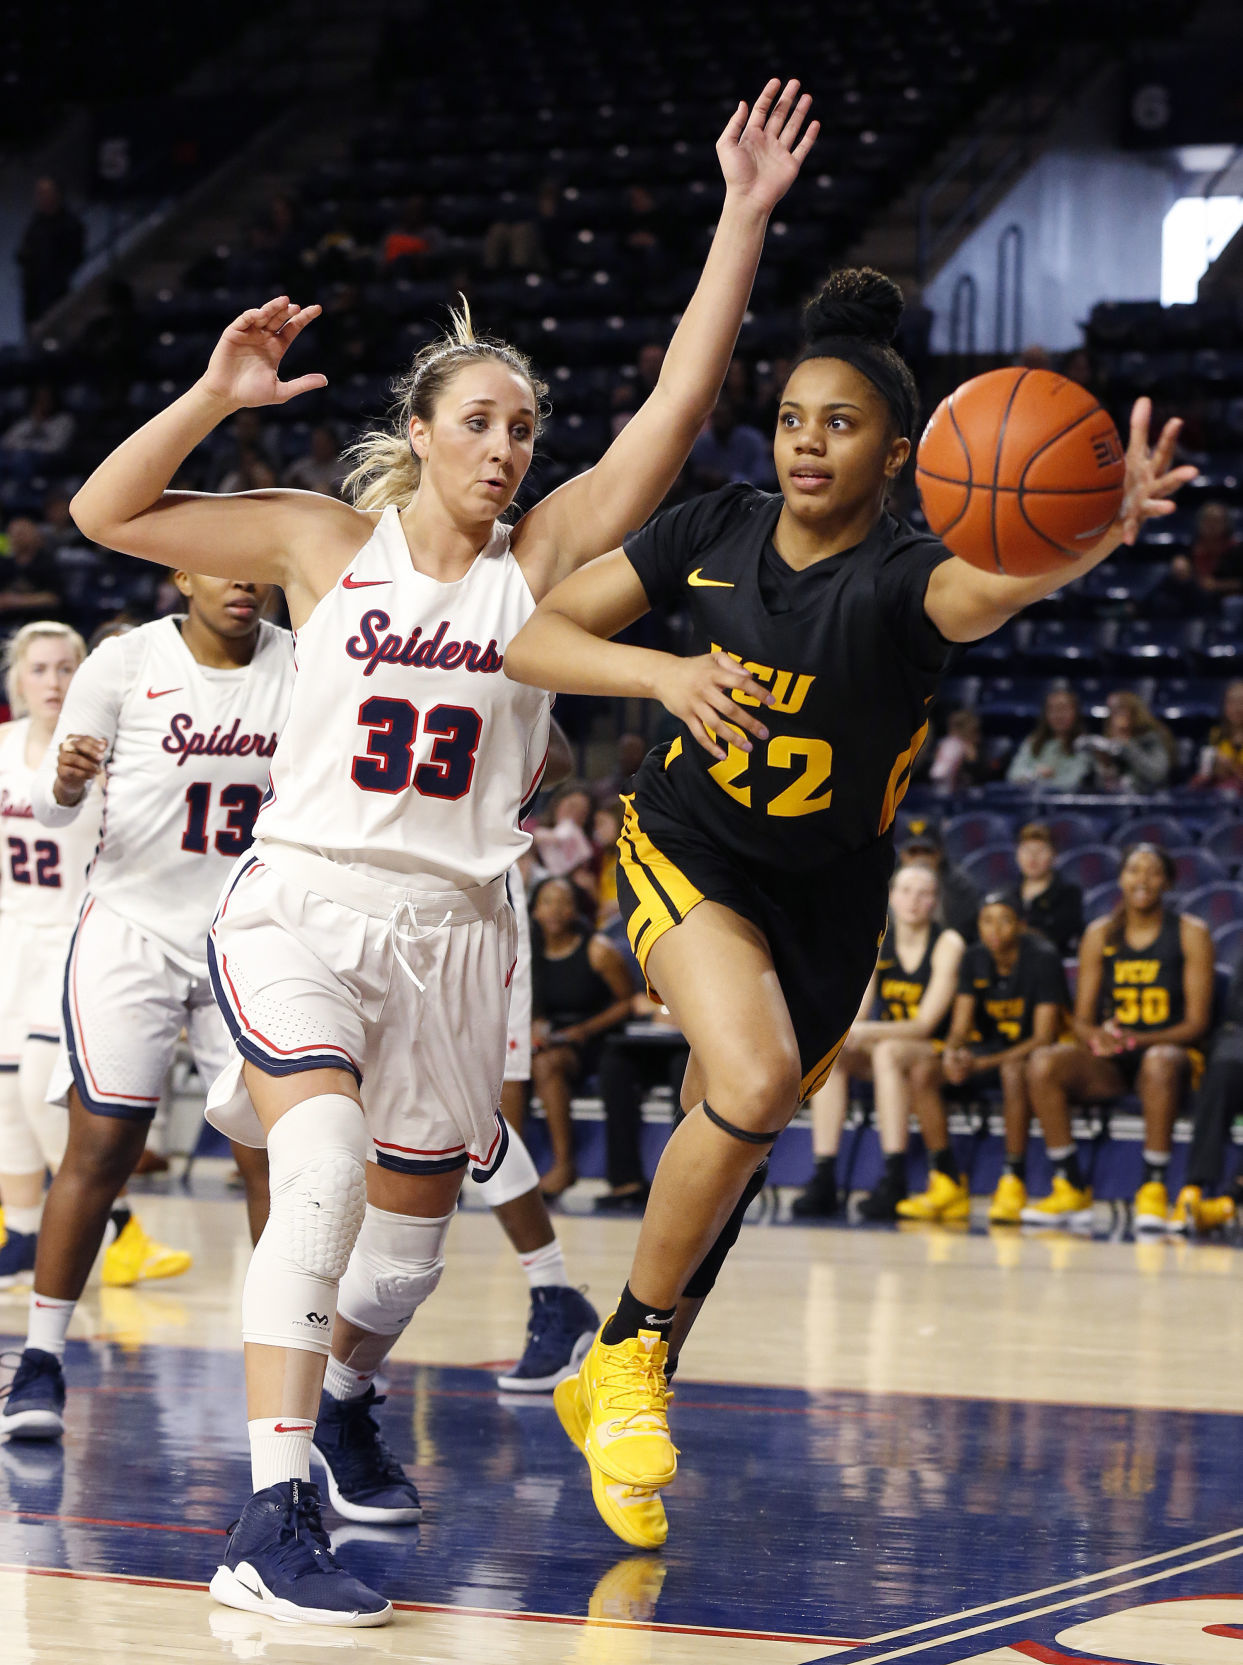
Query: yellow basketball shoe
column 1009, row 1201
column 134, row 1255
column 1182, row 1217
column 635, row 1513
column 1194, row 1212
column 945, row 1199
column 624, row 1396
column 1152, row 1206
column 1065, row 1205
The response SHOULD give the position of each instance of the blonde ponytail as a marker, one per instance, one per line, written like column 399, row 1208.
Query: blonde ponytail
column 385, row 469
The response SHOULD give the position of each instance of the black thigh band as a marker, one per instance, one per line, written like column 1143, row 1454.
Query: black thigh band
column 743, row 1133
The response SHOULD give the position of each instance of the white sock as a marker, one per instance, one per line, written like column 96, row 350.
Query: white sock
column 343, row 1383
column 280, row 1449
column 545, row 1267
column 1058, row 1155
column 23, row 1220
column 1154, row 1158
column 49, row 1324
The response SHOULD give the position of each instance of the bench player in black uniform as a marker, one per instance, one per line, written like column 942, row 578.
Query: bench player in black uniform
column 1012, row 998
column 904, row 1011
column 757, row 846
column 1145, row 997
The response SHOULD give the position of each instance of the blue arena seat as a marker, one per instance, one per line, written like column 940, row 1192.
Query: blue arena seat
column 1194, row 866
column 964, row 834
column 1101, row 899
column 1073, row 828
column 1225, row 839
column 1228, row 943
column 1154, row 644
column 1166, row 830
column 1094, row 864
column 1061, row 646
column 991, row 868
column 1217, row 904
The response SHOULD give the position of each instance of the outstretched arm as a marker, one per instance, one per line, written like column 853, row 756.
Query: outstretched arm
column 126, row 505
column 966, row 603
column 760, row 152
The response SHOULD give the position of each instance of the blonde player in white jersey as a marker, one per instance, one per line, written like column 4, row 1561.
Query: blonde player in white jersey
column 42, row 875
column 181, row 717
column 363, row 948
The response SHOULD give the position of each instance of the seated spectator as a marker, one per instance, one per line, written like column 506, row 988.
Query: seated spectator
column 1047, row 902
column 413, row 240
column 1047, row 758
column 1216, row 554
column 631, row 750
column 44, row 430
column 1012, row 998
column 1179, row 594
column 322, row 469
column 960, row 900
column 580, row 990
column 1135, row 751
column 1221, row 763
column 648, row 1052
column 50, row 252
column 606, row 825
column 29, row 580
column 959, row 758
column 728, row 450
column 1144, row 1000
column 913, row 989
column 562, row 842
column 1202, row 1204
column 530, row 244
column 58, row 528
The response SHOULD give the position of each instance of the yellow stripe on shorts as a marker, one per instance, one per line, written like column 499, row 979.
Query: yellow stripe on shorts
column 818, row 1074
column 665, row 895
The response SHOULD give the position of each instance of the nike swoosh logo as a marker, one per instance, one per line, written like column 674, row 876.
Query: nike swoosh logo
column 293, row 1428
column 159, row 693
column 698, row 582
column 349, row 582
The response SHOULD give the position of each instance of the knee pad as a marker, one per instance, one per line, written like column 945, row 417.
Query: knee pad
column 48, row 1122
column 20, row 1151
column 317, row 1161
column 703, row 1278
column 515, row 1174
column 396, row 1264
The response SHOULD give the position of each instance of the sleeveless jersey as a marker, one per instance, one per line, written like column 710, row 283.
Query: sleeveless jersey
column 899, row 990
column 407, row 749
column 1005, row 1004
column 42, row 871
column 190, row 747
column 846, row 648
column 1142, row 988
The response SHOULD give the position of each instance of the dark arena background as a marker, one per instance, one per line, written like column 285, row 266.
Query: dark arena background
column 944, row 1431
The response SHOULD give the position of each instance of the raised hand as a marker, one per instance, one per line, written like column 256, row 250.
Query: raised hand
column 760, row 151
column 243, row 367
column 1150, row 481
column 700, row 692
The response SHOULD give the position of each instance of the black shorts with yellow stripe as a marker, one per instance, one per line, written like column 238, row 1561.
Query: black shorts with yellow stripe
column 823, row 928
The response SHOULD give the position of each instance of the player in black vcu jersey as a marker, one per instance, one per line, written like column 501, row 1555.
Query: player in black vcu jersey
column 904, row 1012
column 1144, row 999
column 757, row 846
column 1012, row 998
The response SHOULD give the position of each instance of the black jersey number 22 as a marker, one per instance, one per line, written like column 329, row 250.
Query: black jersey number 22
column 806, row 793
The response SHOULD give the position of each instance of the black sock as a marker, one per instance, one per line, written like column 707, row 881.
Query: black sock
column 1067, row 1167
column 632, row 1316
column 895, row 1171
column 945, row 1162
column 118, row 1218
column 1156, row 1166
column 826, row 1172
column 1017, row 1166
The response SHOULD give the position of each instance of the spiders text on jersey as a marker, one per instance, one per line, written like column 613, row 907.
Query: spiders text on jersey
column 437, row 652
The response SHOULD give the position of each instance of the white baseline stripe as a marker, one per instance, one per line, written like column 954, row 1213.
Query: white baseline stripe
column 1053, row 1607
column 1053, row 1589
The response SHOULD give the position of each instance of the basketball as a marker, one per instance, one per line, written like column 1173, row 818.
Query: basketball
column 1020, row 472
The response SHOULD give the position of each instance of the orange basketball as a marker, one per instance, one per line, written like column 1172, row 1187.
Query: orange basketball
column 1020, row 471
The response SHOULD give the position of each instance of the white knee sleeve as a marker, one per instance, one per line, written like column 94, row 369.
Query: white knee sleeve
column 48, row 1122
column 19, row 1149
column 397, row 1262
column 514, row 1176
column 317, row 1156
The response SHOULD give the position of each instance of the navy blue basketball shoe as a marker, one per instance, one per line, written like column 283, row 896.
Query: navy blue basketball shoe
column 279, row 1561
column 365, row 1480
column 560, row 1330
column 17, row 1258
column 35, row 1398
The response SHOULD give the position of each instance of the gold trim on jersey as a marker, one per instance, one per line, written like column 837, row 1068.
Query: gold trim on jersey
column 900, row 778
column 818, row 1074
column 664, row 893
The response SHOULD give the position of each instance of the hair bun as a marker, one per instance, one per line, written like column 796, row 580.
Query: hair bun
column 857, row 302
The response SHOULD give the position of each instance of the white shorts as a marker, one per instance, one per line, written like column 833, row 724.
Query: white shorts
column 125, row 1005
column 518, row 1037
column 409, row 992
column 32, row 983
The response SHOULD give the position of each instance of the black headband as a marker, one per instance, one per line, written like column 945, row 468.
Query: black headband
column 871, row 360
